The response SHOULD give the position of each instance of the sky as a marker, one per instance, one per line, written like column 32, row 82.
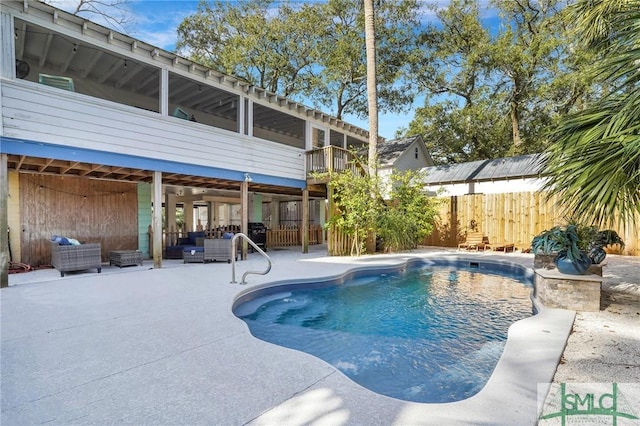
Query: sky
column 156, row 21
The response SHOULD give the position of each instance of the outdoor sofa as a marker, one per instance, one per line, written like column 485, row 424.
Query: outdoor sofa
column 67, row 257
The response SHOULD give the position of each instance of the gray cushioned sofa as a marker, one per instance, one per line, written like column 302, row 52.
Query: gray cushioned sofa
column 67, row 258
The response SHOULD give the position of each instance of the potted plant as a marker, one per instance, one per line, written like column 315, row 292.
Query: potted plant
column 563, row 244
column 573, row 244
column 600, row 241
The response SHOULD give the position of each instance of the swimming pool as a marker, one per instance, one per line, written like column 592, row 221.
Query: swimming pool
column 424, row 332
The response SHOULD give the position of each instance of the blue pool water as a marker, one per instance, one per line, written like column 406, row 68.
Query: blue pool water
column 424, row 334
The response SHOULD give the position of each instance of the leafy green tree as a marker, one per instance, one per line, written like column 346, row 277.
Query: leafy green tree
column 511, row 84
column 527, row 57
column 248, row 40
column 462, row 119
column 409, row 214
column 400, row 213
column 357, row 209
column 594, row 160
column 306, row 51
column 341, row 80
column 455, row 135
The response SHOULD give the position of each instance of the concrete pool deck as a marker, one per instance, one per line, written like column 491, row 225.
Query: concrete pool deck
column 139, row 345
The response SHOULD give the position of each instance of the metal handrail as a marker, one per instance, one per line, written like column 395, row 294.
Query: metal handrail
column 233, row 259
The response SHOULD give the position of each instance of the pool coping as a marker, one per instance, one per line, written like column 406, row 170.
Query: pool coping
column 522, row 377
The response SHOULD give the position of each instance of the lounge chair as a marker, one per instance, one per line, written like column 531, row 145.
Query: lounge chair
column 475, row 241
column 506, row 247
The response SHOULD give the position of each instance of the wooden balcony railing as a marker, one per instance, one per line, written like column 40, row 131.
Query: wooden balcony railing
column 331, row 159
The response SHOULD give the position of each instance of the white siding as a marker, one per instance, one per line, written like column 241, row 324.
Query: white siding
column 408, row 160
column 39, row 113
column 495, row 187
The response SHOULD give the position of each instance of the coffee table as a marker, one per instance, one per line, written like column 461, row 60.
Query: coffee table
column 125, row 257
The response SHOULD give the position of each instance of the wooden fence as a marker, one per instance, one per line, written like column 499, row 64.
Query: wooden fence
column 281, row 236
column 287, row 236
column 506, row 218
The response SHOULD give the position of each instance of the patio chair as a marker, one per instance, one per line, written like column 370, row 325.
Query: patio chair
column 475, row 241
column 67, row 258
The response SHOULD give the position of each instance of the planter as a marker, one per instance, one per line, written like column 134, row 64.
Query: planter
column 597, row 255
column 546, row 261
column 579, row 267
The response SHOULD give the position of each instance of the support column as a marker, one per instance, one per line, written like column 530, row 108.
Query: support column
column 305, row 220
column 156, row 219
column 188, row 216
column 244, row 216
column 275, row 213
column 4, row 221
column 322, row 217
column 210, row 215
column 331, row 208
column 216, row 215
column 170, row 214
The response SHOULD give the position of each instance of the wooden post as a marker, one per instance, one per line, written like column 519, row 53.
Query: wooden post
column 331, row 207
column 4, row 221
column 156, row 219
column 305, row 220
column 244, row 215
column 188, row 217
column 170, row 212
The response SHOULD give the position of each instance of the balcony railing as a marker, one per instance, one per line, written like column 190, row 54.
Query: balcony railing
column 331, row 159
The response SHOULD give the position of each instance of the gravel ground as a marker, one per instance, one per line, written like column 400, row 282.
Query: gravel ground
column 604, row 346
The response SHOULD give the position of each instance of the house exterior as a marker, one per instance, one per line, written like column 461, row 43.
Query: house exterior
column 403, row 154
column 99, row 131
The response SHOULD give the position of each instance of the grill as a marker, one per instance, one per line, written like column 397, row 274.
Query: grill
column 258, row 234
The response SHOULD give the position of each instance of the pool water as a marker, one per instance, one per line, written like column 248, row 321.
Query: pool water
column 425, row 334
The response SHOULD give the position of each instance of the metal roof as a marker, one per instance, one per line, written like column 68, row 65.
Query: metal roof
column 485, row 170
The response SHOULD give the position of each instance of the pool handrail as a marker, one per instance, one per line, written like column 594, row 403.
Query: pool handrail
column 233, row 259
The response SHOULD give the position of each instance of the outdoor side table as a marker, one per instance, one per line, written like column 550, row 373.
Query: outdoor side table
column 125, row 257
column 193, row 255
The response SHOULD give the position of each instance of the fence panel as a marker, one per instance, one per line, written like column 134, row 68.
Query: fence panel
column 505, row 218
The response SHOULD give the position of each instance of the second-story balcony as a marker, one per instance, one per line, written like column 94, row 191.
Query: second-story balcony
column 321, row 162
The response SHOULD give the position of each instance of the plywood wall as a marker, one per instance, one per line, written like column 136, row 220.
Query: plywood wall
column 91, row 211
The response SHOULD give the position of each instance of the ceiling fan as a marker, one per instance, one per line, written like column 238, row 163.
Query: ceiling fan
column 22, row 69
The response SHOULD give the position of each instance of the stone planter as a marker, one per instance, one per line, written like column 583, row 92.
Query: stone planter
column 544, row 261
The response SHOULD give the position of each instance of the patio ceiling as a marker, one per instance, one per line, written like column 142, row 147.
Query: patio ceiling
column 170, row 181
column 45, row 49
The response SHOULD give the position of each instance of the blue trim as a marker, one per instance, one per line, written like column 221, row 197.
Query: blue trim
column 47, row 150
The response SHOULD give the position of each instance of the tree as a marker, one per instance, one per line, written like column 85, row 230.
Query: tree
column 247, row 40
column 409, row 215
column 462, row 119
column 402, row 218
column 594, row 160
column 372, row 92
column 357, row 209
column 114, row 13
column 496, row 92
column 305, row 51
column 341, row 81
column 459, row 134
column 527, row 56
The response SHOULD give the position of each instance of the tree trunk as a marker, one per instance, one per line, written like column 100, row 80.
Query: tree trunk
column 372, row 92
